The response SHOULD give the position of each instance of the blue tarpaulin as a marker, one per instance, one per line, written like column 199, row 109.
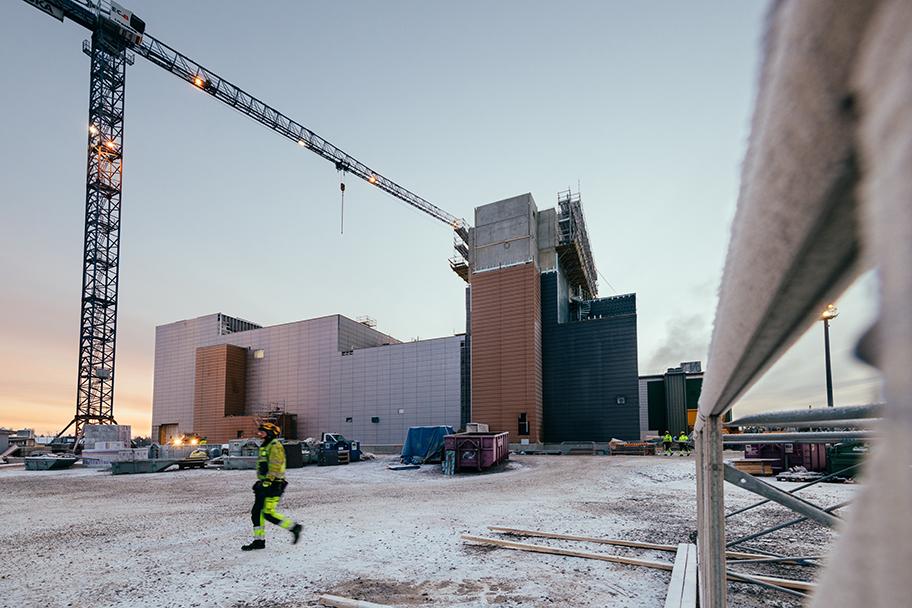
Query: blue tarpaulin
column 424, row 444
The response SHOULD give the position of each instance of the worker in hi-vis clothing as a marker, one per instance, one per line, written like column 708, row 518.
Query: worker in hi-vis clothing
column 667, row 440
column 269, row 488
column 683, row 444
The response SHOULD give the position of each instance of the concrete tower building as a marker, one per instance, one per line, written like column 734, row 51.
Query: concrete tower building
column 506, row 318
column 550, row 361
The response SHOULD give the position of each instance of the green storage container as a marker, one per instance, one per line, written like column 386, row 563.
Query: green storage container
column 844, row 455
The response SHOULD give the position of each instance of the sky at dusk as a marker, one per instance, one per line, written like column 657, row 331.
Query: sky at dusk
column 645, row 105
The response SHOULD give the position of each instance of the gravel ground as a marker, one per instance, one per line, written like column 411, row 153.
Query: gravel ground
column 84, row 538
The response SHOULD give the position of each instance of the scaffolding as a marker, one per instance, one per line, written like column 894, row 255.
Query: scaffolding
column 573, row 248
column 275, row 412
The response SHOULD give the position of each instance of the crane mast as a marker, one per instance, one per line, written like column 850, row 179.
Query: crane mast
column 115, row 33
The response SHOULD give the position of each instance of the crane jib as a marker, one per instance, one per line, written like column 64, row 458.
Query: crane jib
column 206, row 80
column 50, row 8
column 92, row 15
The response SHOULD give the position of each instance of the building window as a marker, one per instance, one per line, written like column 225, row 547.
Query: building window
column 348, row 419
column 523, row 424
column 240, row 434
column 259, row 353
column 375, row 419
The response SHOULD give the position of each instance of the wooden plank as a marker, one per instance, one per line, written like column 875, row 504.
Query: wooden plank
column 689, row 597
column 647, row 563
column 567, row 552
column 344, row 602
column 788, row 583
column 676, row 586
column 611, row 541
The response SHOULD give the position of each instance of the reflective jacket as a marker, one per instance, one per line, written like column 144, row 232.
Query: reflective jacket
column 667, row 438
column 683, row 438
column 271, row 461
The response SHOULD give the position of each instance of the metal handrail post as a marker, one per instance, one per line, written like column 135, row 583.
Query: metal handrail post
column 711, row 522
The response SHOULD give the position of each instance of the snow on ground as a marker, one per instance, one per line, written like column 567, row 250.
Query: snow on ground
column 83, row 538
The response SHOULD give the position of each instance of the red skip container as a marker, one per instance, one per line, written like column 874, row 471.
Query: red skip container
column 478, row 451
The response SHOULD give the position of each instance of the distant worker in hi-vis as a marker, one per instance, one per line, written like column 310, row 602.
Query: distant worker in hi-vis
column 269, row 488
column 683, row 445
column 667, row 440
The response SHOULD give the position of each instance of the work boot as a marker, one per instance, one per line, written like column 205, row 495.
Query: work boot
column 257, row 543
column 296, row 531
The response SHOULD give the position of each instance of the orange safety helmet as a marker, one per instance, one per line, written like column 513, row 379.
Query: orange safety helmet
column 270, row 428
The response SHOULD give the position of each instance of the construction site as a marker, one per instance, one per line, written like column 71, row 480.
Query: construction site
column 527, row 458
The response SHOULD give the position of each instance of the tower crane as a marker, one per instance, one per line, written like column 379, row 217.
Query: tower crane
column 117, row 37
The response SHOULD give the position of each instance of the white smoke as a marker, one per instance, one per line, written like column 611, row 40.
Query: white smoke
column 687, row 339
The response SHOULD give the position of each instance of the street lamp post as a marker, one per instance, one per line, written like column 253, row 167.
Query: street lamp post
column 830, row 313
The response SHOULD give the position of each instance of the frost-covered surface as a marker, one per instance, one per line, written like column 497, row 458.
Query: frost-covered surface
column 81, row 537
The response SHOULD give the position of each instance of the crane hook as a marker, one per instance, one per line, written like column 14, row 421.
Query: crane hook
column 342, row 189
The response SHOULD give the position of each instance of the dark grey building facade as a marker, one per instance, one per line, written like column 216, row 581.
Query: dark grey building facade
column 589, row 365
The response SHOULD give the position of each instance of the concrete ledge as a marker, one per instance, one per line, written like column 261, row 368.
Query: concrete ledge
column 381, row 450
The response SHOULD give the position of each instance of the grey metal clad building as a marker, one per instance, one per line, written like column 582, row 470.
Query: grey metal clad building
column 333, row 373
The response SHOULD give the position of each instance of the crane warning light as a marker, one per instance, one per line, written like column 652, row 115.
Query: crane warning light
column 110, row 144
column 372, row 179
column 301, row 142
column 93, row 129
column 199, row 81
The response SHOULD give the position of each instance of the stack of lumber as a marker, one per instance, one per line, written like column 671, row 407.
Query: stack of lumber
column 639, row 448
column 759, row 467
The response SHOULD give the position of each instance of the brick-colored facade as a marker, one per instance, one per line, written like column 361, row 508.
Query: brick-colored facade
column 507, row 350
column 218, row 399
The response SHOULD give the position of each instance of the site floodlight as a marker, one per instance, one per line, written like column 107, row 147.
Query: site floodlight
column 829, row 313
